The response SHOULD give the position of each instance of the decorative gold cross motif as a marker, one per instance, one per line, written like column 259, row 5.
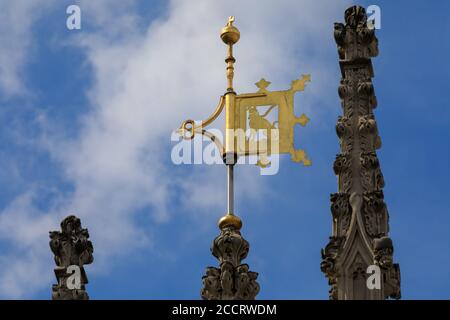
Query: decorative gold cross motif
column 262, row 85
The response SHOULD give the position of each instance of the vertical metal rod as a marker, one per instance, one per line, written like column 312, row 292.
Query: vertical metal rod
column 230, row 189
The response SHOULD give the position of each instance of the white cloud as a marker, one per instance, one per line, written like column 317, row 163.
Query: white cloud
column 16, row 35
column 25, row 267
column 146, row 83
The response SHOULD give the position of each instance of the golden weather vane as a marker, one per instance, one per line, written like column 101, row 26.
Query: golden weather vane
column 244, row 123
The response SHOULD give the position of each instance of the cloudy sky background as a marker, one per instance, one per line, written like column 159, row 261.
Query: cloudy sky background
column 85, row 124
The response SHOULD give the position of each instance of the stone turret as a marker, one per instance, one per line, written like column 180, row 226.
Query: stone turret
column 360, row 236
column 232, row 280
column 72, row 250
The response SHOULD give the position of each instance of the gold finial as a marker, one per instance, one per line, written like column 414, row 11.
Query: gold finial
column 230, row 220
column 230, row 34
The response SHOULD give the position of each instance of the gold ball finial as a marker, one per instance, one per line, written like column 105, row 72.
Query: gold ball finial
column 230, row 34
column 230, row 220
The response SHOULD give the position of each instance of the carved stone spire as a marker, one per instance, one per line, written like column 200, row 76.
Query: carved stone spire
column 233, row 280
column 360, row 217
column 72, row 250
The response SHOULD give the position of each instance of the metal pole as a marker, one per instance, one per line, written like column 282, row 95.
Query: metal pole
column 230, row 191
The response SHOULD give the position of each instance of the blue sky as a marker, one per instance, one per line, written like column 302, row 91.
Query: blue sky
column 85, row 123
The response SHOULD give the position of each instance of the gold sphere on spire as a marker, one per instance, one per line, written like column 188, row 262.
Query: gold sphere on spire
column 230, row 34
column 230, row 220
